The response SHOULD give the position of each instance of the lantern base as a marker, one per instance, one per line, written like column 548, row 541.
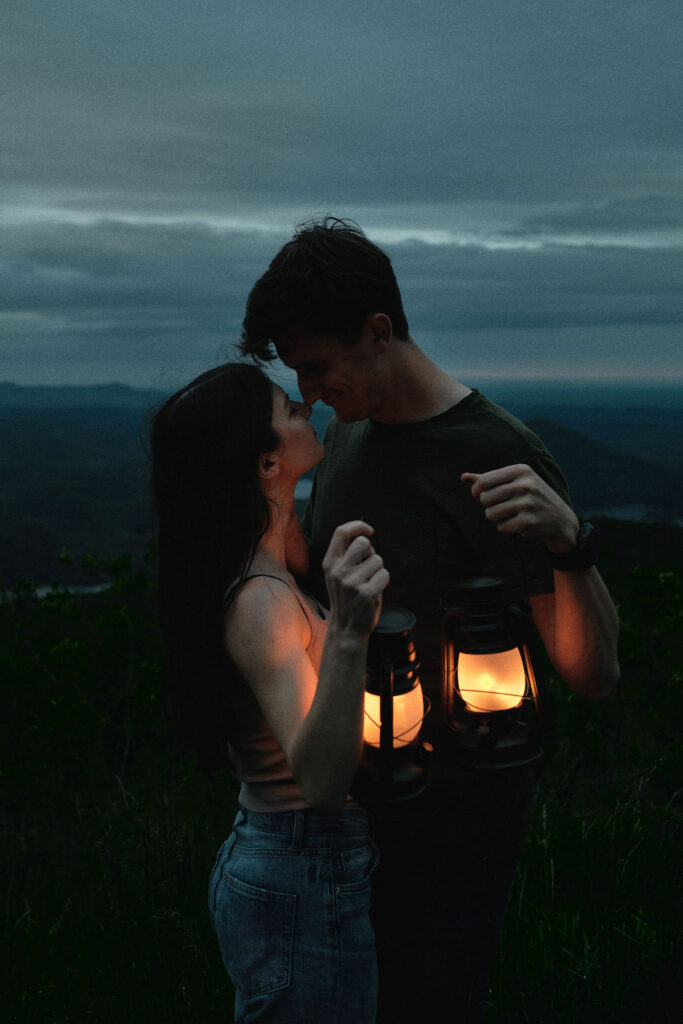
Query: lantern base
column 409, row 775
column 489, row 744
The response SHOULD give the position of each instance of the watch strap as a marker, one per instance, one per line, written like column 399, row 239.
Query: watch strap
column 582, row 556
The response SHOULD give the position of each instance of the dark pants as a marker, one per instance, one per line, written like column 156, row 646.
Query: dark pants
column 437, row 940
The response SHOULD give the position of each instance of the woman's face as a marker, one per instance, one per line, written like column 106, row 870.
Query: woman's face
column 299, row 448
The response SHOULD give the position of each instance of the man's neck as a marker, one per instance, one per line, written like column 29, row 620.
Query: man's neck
column 418, row 388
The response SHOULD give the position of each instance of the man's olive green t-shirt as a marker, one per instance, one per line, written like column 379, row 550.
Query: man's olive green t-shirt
column 404, row 480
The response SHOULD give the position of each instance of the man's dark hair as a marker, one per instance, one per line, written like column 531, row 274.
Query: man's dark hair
column 326, row 281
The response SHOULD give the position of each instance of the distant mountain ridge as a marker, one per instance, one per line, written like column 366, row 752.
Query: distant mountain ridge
column 51, row 396
column 603, row 478
column 74, row 466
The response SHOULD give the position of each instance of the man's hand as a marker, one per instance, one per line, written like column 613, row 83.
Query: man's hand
column 517, row 500
column 577, row 621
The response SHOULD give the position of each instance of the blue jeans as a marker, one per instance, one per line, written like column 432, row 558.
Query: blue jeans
column 289, row 899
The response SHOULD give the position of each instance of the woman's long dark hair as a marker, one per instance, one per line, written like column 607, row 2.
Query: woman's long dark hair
column 205, row 446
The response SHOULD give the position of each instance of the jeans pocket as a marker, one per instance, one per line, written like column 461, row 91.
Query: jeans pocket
column 255, row 930
column 217, row 874
column 358, row 867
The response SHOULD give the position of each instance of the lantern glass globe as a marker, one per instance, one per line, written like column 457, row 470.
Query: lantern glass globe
column 408, row 714
column 491, row 682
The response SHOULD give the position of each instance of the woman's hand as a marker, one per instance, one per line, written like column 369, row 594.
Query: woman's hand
column 355, row 578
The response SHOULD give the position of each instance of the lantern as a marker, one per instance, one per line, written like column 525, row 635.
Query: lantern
column 490, row 691
column 393, row 766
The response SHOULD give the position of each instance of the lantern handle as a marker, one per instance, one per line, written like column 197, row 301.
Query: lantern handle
column 523, row 618
column 386, row 716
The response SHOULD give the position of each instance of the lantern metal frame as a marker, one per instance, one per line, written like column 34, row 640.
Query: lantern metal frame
column 389, row 773
column 480, row 623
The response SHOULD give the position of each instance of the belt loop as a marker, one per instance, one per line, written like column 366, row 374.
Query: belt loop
column 298, row 831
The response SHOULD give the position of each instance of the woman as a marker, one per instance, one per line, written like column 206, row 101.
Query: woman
column 255, row 662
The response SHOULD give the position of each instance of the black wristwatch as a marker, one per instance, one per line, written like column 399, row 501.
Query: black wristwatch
column 583, row 556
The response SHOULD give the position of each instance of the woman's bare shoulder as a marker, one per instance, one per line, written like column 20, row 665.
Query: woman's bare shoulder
column 263, row 611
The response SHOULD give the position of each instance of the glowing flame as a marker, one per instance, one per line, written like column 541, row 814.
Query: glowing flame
column 491, row 682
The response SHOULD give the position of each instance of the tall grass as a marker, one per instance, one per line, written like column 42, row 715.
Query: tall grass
column 593, row 929
column 108, row 834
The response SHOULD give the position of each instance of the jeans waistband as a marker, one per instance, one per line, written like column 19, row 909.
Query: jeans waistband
column 309, row 822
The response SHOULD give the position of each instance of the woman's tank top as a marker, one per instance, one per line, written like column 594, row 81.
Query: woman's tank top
column 267, row 784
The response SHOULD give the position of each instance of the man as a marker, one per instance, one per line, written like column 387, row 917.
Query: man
column 454, row 487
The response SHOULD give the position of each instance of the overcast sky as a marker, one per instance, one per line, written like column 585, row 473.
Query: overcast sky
column 519, row 160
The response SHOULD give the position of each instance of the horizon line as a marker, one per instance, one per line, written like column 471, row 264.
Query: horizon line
column 489, row 378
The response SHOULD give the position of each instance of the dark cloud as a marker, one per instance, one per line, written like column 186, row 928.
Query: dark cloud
column 440, row 100
column 520, row 162
column 468, row 286
column 643, row 213
column 162, row 294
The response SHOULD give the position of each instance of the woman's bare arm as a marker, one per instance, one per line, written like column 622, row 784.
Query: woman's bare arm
column 317, row 721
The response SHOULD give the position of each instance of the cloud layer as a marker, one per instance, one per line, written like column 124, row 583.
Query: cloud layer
column 519, row 162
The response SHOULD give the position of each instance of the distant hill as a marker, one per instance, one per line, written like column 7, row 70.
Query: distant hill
column 604, row 479
column 644, row 430
column 113, row 396
column 73, row 479
column 74, row 467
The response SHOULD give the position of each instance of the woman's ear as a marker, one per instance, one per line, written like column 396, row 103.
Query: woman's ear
column 268, row 466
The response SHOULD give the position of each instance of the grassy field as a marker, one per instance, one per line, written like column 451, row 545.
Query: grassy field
column 109, row 835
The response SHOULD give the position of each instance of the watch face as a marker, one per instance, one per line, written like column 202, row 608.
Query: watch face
column 584, row 535
column 587, row 537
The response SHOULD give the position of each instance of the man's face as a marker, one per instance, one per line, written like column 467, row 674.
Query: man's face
column 343, row 375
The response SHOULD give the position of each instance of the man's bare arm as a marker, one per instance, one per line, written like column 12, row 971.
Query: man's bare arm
column 578, row 622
